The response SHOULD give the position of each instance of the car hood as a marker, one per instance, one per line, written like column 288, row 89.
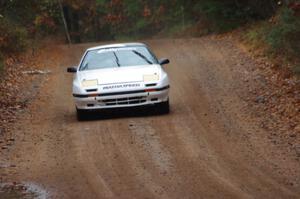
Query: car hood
column 120, row 74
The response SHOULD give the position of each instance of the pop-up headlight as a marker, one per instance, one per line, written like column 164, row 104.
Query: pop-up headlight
column 151, row 78
column 89, row 83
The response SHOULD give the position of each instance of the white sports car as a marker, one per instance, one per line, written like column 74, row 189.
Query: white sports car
column 120, row 75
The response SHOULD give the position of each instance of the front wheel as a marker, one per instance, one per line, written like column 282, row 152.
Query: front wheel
column 164, row 107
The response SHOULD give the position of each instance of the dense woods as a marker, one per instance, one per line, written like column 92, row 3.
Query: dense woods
column 22, row 22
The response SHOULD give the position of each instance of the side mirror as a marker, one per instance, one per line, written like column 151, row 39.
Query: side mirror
column 163, row 61
column 71, row 70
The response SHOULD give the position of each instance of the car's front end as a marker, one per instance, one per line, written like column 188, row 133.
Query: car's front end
column 122, row 75
column 123, row 90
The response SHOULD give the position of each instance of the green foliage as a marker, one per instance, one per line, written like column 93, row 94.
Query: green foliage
column 280, row 34
column 256, row 33
column 279, row 37
column 13, row 38
column 108, row 19
column 47, row 18
column 98, row 18
column 296, row 69
column 223, row 16
column 24, row 20
column 132, row 8
column 93, row 20
column 105, row 19
column 283, row 36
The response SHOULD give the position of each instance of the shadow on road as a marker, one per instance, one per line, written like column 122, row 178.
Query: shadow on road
column 117, row 113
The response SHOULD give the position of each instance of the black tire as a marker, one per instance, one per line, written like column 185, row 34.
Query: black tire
column 81, row 114
column 164, row 107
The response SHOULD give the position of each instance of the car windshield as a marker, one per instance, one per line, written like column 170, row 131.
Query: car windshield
column 117, row 57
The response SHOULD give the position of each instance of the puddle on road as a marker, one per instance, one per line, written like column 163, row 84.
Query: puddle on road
column 22, row 191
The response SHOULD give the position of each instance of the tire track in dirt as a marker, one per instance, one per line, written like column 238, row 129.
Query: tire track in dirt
column 207, row 147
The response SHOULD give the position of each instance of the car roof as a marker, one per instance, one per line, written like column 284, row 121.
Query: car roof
column 119, row 45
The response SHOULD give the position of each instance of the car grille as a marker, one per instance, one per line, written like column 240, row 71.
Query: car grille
column 123, row 101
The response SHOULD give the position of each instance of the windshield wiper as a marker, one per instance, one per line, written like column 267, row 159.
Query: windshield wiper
column 142, row 56
column 117, row 59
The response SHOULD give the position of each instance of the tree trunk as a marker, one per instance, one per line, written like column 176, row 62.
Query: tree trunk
column 64, row 22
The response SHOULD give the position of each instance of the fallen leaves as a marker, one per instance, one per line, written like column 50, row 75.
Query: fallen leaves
column 17, row 89
column 275, row 98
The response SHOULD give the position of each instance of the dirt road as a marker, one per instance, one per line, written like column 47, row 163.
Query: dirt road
column 209, row 146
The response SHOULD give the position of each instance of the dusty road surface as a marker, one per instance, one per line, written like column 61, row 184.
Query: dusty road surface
column 209, row 146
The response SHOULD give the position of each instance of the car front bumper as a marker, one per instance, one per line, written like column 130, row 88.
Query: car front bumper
column 122, row 99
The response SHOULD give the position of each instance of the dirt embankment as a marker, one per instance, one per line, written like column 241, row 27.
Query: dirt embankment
column 220, row 139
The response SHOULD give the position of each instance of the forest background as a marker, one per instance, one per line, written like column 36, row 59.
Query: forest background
column 269, row 24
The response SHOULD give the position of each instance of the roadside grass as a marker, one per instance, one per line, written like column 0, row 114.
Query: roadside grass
column 277, row 38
